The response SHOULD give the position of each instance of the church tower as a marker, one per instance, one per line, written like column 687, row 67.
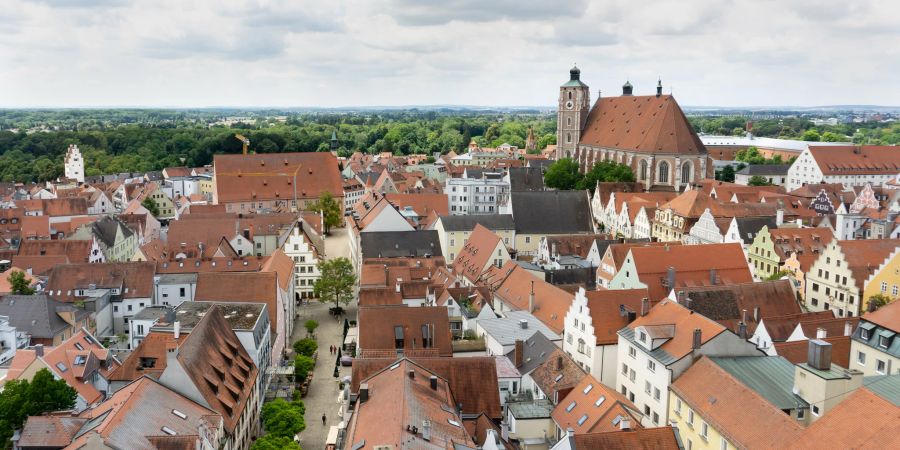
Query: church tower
column 574, row 105
column 74, row 164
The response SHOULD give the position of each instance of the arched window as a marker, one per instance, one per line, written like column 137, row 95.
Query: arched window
column 570, row 95
column 643, row 169
column 568, row 121
column 686, row 172
column 663, row 172
column 568, row 138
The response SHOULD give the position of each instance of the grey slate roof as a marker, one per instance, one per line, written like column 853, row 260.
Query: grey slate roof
column 398, row 244
column 536, row 409
column 552, row 212
column 540, row 163
column 535, row 351
column 507, row 330
column 765, row 169
column 526, row 179
column 664, row 357
column 106, row 229
column 36, row 315
column 772, row 377
column 467, row 222
column 749, row 227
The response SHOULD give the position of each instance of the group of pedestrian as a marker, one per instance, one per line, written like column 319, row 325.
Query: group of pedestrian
column 333, row 349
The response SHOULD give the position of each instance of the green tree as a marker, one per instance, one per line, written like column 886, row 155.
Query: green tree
column 19, row 283
column 605, row 171
column 877, row 301
column 283, row 418
column 20, row 399
column 811, row 135
column 272, row 442
column 757, row 180
column 302, row 365
column 311, row 326
column 563, row 174
column 727, row 174
column 330, row 208
column 306, row 347
column 336, row 281
column 830, row 136
column 151, row 206
column 778, row 275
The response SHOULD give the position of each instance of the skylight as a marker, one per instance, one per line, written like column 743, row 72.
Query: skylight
column 558, row 377
column 453, row 422
column 588, row 388
column 599, row 401
column 169, row 431
column 179, row 414
column 62, row 367
column 582, row 420
column 570, row 407
column 395, row 366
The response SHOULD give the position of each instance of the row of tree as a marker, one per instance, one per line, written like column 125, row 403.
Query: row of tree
column 564, row 174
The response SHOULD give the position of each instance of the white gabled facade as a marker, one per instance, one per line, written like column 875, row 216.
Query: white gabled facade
column 74, row 164
column 642, row 226
column 805, row 170
column 580, row 342
column 306, row 271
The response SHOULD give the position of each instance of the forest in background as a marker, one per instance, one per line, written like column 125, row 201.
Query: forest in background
column 33, row 142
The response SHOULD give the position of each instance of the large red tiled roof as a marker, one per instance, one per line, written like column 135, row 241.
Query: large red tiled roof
column 135, row 279
column 639, row 439
column 888, row 316
column 377, row 327
column 597, row 404
column 856, row 159
column 258, row 177
column 476, row 254
column 606, row 318
column 250, row 287
column 684, row 321
column 513, row 285
column 643, row 123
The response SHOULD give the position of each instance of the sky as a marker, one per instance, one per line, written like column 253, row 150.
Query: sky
column 344, row 53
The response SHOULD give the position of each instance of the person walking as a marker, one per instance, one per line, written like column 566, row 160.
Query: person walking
column 323, row 419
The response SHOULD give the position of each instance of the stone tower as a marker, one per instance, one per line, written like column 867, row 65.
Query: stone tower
column 74, row 164
column 574, row 105
column 530, row 144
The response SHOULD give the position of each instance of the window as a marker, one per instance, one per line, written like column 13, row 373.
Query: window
column 704, row 430
column 643, row 169
column 398, row 337
column 655, row 418
column 631, row 374
column 815, row 410
column 690, row 419
column 882, row 342
column 686, row 172
column 864, row 333
column 647, row 387
column 651, row 366
column 895, row 290
column 624, row 369
column 663, row 172
column 642, row 336
column 723, row 444
column 861, row 358
column 129, row 307
column 632, row 352
column 527, row 239
column 880, row 366
column 801, row 414
column 656, row 394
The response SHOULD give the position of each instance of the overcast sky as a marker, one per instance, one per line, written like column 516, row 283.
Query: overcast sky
column 332, row 53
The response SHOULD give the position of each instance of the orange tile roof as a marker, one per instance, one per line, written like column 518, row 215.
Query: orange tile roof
column 282, row 265
column 639, row 439
column 36, row 227
column 604, row 306
column 75, row 250
column 377, row 327
column 726, row 404
column 798, row 351
column 693, row 266
column 472, row 380
column 247, row 287
column 96, row 360
column 151, row 351
column 863, row 420
column 512, row 284
column 476, row 254
column 644, row 123
column 423, row 204
column 258, row 177
column 888, row 316
column 669, row 313
column 557, row 375
column 863, row 256
column 856, row 159
column 134, row 278
column 599, row 406
column 573, row 244
column 806, row 243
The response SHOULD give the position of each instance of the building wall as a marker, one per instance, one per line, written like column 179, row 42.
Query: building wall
column 632, row 377
column 885, row 280
column 691, row 424
column 867, row 363
column 475, row 196
column 825, row 292
column 804, row 171
column 778, row 180
column 306, row 271
column 764, row 261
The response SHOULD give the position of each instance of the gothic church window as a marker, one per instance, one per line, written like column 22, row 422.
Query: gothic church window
column 643, row 169
column 686, row 173
column 663, row 172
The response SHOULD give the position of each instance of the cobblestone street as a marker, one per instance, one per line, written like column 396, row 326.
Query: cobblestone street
column 323, row 390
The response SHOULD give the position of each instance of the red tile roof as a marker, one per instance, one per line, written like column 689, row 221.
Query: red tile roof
column 856, row 159
column 863, row 420
column 258, row 177
column 512, row 284
column 557, row 375
column 684, row 321
column 639, row 439
column 604, row 307
column 644, row 123
column 477, row 254
column 887, row 316
column 248, row 287
column 134, row 278
column 377, row 328
column 597, row 404
column 798, row 351
column 76, row 251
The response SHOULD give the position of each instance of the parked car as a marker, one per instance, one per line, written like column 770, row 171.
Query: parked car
column 346, row 361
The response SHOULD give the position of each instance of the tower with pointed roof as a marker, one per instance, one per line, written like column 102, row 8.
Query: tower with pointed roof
column 530, row 144
column 334, row 141
column 573, row 108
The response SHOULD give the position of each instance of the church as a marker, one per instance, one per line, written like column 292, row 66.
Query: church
column 649, row 133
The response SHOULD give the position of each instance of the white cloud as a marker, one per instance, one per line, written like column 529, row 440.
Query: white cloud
column 405, row 52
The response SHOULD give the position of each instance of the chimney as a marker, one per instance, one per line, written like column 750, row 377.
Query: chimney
column 523, row 324
column 177, row 329
column 821, row 333
column 412, row 374
column 779, row 217
column 712, row 277
column 756, row 314
column 645, row 306
column 848, row 328
column 363, row 392
column 531, row 298
column 697, row 339
column 670, row 277
column 426, row 430
column 433, row 382
column 742, row 330
column 39, row 350
column 518, row 353
column 559, row 363
column 553, row 252
column 625, row 425
column 819, row 355
column 397, row 286
column 246, row 233
column 680, row 297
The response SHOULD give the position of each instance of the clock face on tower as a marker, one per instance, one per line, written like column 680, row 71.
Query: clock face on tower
column 569, row 104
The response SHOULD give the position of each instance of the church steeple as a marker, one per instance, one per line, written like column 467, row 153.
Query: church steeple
column 659, row 87
column 574, row 105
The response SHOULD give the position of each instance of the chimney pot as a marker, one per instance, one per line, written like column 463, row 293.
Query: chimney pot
column 363, row 392
column 39, row 350
column 645, row 306
column 819, row 355
column 433, row 382
column 518, row 354
column 698, row 338
column 412, row 374
column 177, row 329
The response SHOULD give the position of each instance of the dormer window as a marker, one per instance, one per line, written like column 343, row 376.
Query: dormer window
column 642, row 336
column 864, row 333
column 884, row 341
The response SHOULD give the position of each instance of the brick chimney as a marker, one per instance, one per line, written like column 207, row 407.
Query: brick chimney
column 518, row 353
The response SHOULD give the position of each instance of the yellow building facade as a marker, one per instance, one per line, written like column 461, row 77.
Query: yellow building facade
column 696, row 433
column 886, row 279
